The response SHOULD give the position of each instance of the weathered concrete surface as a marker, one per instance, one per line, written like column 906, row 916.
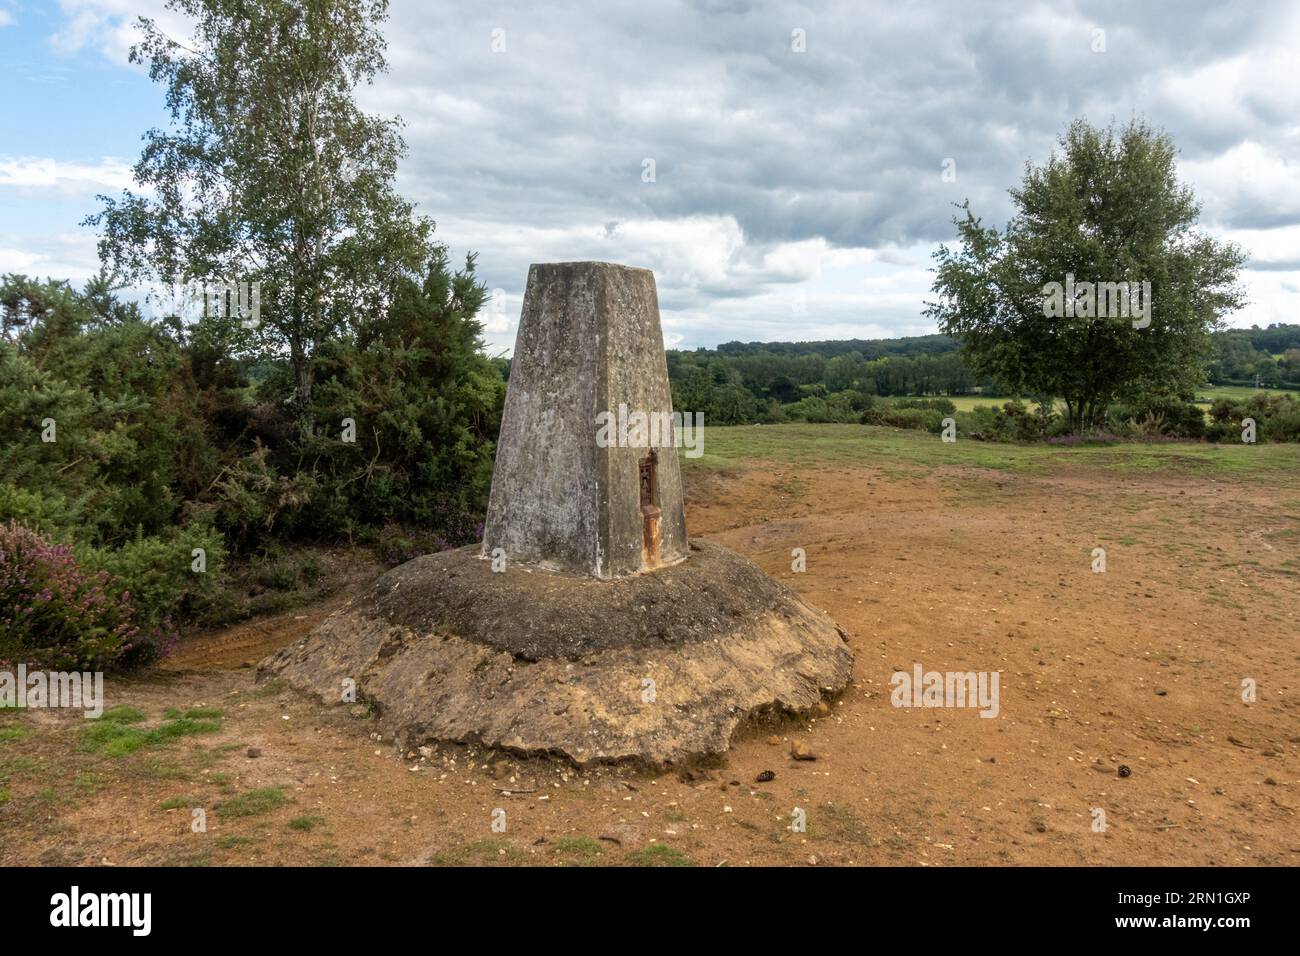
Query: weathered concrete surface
column 589, row 341
column 558, row 664
column 536, row 615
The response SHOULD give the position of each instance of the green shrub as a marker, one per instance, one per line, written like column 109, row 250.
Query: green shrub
column 309, row 568
column 838, row 408
column 1013, row 422
column 253, row 497
column 46, row 511
column 1158, row 415
column 943, row 405
column 274, row 571
column 983, row 423
column 1277, row 418
column 158, row 572
column 894, row 414
column 427, row 406
column 130, row 442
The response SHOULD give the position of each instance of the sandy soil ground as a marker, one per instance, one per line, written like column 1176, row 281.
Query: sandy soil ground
column 1140, row 668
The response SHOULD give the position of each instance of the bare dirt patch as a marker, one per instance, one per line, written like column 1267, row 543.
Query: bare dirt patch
column 960, row 569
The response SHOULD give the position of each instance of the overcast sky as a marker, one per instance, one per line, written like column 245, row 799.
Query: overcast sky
column 796, row 194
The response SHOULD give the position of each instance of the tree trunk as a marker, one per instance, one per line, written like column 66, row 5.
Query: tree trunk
column 1074, row 415
column 303, row 376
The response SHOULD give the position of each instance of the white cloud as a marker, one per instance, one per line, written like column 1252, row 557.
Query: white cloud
column 36, row 173
column 65, row 255
column 1274, row 297
column 1250, row 182
column 109, row 26
column 713, row 283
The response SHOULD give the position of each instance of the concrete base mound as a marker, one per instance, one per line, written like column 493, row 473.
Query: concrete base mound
column 657, row 668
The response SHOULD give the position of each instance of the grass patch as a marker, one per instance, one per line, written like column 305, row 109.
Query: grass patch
column 254, row 803
column 90, row 782
column 729, row 448
column 17, row 765
column 659, row 854
column 306, row 824
column 123, row 714
column 1208, row 393
column 577, row 849
column 230, row 842
column 12, row 733
column 115, row 734
column 175, row 803
column 4, row 796
column 194, row 713
column 478, row 853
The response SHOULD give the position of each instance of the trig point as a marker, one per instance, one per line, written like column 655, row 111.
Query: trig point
column 566, row 497
column 586, row 624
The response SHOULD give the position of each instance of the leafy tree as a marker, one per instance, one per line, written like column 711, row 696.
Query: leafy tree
column 1278, row 337
column 1107, row 208
column 270, row 173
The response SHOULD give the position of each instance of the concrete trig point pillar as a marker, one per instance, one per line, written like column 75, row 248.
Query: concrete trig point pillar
column 449, row 646
column 589, row 343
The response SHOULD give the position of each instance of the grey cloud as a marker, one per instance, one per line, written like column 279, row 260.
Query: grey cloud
column 1276, row 265
column 842, row 143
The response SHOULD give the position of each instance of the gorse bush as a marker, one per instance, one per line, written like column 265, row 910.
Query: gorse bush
column 160, row 571
column 58, row 614
column 102, row 414
column 253, row 499
column 1158, row 416
column 1277, row 418
column 427, row 406
column 106, row 439
column 48, row 511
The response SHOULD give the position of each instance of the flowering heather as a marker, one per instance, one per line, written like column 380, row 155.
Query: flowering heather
column 53, row 612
